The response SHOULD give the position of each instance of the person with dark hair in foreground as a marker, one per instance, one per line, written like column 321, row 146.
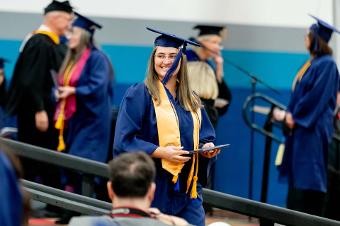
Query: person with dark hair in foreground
column 131, row 189
column 309, row 117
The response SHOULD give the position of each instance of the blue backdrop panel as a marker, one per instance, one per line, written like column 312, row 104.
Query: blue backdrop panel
column 276, row 68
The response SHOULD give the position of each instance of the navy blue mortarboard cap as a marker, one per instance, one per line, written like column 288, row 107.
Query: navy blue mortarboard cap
column 209, row 30
column 322, row 29
column 64, row 6
column 2, row 62
column 170, row 40
column 86, row 23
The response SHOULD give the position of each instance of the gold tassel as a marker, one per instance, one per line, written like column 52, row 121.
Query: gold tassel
column 60, row 125
column 194, row 193
column 61, row 145
column 59, row 121
column 191, row 173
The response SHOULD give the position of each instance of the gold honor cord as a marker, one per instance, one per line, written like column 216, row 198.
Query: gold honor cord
column 301, row 73
column 60, row 123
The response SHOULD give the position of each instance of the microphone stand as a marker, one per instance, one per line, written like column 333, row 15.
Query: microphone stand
column 253, row 80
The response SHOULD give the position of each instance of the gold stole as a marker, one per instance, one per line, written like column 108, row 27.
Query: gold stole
column 169, row 135
column 300, row 73
column 60, row 123
column 51, row 35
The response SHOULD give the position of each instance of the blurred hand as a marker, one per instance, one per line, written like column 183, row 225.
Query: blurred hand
column 56, row 94
column 65, row 91
column 220, row 103
column 219, row 67
column 218, row 59
column 289, row 120
column 278, row 114
column 212, row 153
column 41, row 121
column 2, row 78
column 167, row 219
column 172, row 154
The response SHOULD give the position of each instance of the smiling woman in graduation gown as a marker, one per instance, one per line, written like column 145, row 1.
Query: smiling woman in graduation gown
column 163, row 117
column 83, row 113
column 309, row 115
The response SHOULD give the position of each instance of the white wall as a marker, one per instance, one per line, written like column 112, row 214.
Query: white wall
column 287, row 13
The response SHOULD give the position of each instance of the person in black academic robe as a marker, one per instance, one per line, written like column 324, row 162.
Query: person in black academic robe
column 206, row 65
column 210, row 37
column 30, row 94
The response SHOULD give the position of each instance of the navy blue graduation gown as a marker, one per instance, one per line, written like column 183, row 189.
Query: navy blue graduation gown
column 312, row 104
column 88, row 130
column 10, row 196
column 136, row 130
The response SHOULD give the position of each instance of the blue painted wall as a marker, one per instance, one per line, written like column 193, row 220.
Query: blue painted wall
column 276, row 68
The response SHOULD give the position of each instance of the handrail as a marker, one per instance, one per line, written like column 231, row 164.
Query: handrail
column 253, row 125
column 91, row 206
column 67, row 200
column 56, row 158
column 274, row 103
column 263, row 210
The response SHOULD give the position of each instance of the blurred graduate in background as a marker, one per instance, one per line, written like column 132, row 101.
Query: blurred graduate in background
column 309, row 117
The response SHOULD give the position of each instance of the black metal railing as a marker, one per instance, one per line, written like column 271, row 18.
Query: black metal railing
column 92, row 206
column 66, row 200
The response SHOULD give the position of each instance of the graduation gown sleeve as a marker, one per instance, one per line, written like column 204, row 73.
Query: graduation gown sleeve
column 31, row 78
column 132, row 112
column 99, row 75
column 35, row 67
column 207, row 132
column 223, row 93
column 10, row 195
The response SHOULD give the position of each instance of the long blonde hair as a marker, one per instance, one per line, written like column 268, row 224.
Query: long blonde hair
column 202, row 80
column 187, row 98
column 73, row 55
